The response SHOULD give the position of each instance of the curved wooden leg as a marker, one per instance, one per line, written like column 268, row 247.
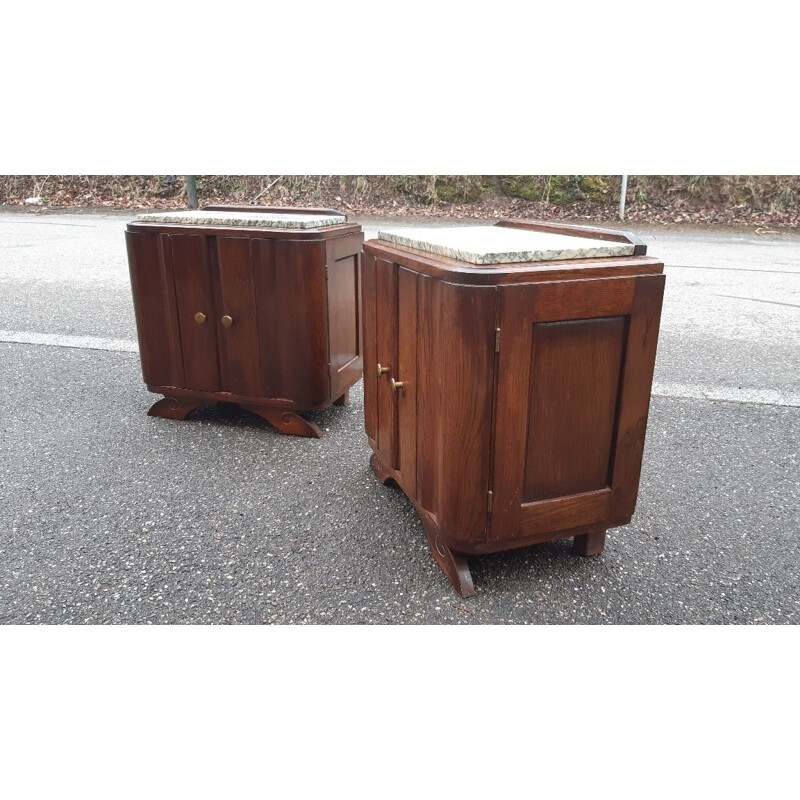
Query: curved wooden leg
column 589, row 544
column 175, row 407
column 380, row 469
column 287, row 421
column 343, row 400
column 453, row 564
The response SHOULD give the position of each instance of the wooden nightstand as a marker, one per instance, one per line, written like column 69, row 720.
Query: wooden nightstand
column 251, row 305
column 507, row 376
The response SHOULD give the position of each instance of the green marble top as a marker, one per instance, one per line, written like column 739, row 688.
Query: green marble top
column 244, row 219
column 493, row 244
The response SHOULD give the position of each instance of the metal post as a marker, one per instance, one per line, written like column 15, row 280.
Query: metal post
column 191, row 190
column 622, row 192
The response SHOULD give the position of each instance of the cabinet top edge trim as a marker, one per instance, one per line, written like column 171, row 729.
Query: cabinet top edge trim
column 287, row 234
column 528, row 272
column 566, row 229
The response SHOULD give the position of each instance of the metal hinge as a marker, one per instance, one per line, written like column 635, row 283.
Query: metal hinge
column 489, row 502
column 497, row 340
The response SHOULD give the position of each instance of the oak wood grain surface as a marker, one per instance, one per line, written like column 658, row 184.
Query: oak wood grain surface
column 525, row 390
column 573, row 403
column 262, row 317
column 386, row 338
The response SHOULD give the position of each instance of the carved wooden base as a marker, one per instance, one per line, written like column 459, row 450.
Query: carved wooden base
column 287, row 421
column 344, row 400
column 380, row 469
column 453, row 564
column 175, row 407
column 283, row 421
column 589, row 544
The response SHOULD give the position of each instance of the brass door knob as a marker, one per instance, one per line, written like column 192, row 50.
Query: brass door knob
column 199, row 317
column 227, row 321
column 382, row 370
column 398, row 386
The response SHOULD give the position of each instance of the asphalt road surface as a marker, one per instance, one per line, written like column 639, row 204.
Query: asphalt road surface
column 110, row 516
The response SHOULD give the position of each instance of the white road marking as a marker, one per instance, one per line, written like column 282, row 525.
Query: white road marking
column 760, row 397
column 63, row 340
column 689, row 391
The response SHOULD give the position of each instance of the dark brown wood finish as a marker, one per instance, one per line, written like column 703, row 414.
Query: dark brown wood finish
column 237, row 300
column 174, row 407
column 452, row 563
column 570, row 435
column 156, row 319
column 385, row 369
column 428, row 403
column 458, row 367
column 590, row 544
column 525, row 391
column 267, row 318
column 294, row 335
column 194, row 290
column 640, row 358
column 370, row 343
column 405, row 393
column 345, row 338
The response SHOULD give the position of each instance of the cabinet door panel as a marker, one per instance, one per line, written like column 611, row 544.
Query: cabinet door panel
column 572, row 400
column 290, row 291
column 386, row 352
column 240, row 353
column 575, row 374
column 407, row 373
column 194, row 292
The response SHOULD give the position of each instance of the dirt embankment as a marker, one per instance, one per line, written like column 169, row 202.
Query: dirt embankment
column 765, row 201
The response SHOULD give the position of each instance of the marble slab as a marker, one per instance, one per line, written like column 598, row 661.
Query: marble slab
column 491, row 244
column 244, row 219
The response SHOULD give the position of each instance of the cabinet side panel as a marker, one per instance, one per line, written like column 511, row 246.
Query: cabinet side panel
column 238, row 344
column 292, row 316
column 563, row 439
column 194, row 290
column 637, row 384
column 368, row 335
column 343, row 304
column 460, row 388
column 574, row 389
column 152, row 294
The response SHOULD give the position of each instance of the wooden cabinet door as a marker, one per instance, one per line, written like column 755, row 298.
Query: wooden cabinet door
column 386, row 355
column 405, row 398
column 389, row 329
column 240, row 364
column 194, row 294
column 575, row 370
column 289, row 294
